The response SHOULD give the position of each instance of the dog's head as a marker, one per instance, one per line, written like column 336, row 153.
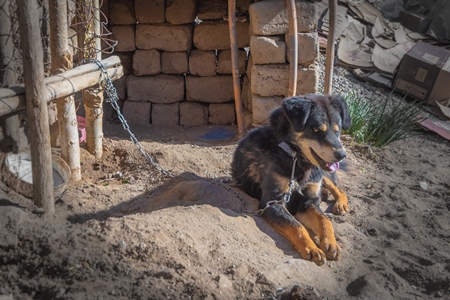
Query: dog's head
column 316, row 122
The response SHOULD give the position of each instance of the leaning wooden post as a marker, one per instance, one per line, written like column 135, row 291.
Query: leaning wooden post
column 62, row 61
column 293, row 49
column 235, row 66
column 37, row 110
column 329, row 61
column 92, row 97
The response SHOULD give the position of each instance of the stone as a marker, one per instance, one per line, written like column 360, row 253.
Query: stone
column 215, row 89
column 308, row 48
column 164, row 37
column 149, row 11
column 193, row 114
column 268, row 49
column 137, row 112
column 216, row 35
column 222, row 114
column 212, row 9
column 224, row 62
column 270, row 80
column 174, row 62
column 166, row 114
column 271, row 17
column 263, row 107
column 181, row 11
column 157, row 89
column 202, row 63
column 146, row 62
column 125, row 38
column 121, row 12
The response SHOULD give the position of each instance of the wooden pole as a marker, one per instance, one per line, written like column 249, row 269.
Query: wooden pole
column 62, row 61
column 37, row 111
column 329, row 61
column 235, row 67
column 293, row 49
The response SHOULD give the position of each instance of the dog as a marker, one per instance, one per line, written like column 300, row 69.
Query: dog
column 285, row 164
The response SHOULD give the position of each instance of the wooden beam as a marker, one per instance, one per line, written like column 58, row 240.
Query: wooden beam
column 62, row 85
column 293, row 48
column 37, row 108
column 329, row 60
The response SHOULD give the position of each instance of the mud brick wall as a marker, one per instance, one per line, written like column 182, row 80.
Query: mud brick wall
column 177, row 59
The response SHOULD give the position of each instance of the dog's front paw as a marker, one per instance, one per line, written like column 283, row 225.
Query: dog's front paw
column 331, row 248
column 314, row 254
column 340, row 208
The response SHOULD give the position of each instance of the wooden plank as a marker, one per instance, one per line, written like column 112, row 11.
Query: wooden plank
column 37, row 110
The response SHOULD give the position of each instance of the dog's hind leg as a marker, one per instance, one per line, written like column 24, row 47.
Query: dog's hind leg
column 341, row 205
column 285, row 224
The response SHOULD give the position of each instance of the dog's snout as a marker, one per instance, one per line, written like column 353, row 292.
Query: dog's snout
column 340, row 154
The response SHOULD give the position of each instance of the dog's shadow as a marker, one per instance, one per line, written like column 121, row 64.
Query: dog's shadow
column 189, row 189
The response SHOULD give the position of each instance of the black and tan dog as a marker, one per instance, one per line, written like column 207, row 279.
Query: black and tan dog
column 285, row 164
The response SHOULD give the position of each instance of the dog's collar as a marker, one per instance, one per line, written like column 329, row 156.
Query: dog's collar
column 287, row 149
column 293, row 154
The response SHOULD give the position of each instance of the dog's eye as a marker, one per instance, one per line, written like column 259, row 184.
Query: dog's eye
column 336, row 127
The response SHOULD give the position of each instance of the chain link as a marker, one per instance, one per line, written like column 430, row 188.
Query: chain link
column 112, row 97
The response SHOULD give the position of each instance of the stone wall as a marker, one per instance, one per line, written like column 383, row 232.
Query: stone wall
column 177, row 60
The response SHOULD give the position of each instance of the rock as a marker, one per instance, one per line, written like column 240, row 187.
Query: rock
column 423, row 185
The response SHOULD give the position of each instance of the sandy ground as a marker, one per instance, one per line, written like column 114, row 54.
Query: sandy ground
column 126, row 232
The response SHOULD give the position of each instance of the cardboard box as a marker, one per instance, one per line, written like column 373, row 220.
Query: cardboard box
column 424, row 73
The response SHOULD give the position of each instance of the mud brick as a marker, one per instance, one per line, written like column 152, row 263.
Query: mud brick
column 157, row 89
column 121, row 12
column 215, row 89
column 212, row 9
column 222, row 114
column 212, row 35
column 248, row 72
column 271, row 17
column 242, row 5
column 263, row 107
column 271, row 80
column 193, row 114
column 146, row 62
column 174, row 62
column 246, row 94
column 125, row 38
column 166, row 37
column 181, row 11
column 121, row 87
column 149, row 11
column 224, row 62
column 126, row 59
column 202, row 63
column 137, row 112
column 166, row 114
column 268, row 49
column 308, row 48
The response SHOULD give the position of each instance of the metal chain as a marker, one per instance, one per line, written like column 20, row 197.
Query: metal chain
column 112, row 97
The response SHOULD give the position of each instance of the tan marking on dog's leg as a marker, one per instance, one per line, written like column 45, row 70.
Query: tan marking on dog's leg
column 321, row 226
column 312, row 189
column 341, row 205
column 301, row 240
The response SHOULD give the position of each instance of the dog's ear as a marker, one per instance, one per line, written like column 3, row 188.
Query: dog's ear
column 297, row 110
column 345, row 114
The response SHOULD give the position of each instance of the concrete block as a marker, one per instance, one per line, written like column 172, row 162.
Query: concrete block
column 222, row 114
column 268, row 49
column 121, row 12
column 181, row 11
column 146, row 62
column 270, row 80
column 202, row 63
column 174, row 62
column 193, row 114
column 211, row 35
column 149, row 11
column 263, row 107
column 137, row 112
column 215, row 89
column 166, row 114
column 271, row 17
column 224, row 62
column 164, row 37
column 308, row 48
column 157, row 89
column 125, row 38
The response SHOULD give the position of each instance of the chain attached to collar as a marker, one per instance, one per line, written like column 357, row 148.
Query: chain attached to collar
column 293, row 155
